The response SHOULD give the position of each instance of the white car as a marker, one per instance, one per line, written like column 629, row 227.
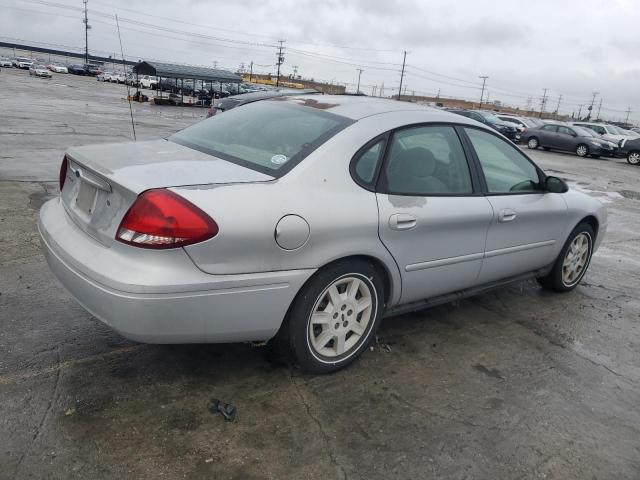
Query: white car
column 522, row 123
column 22, row 62
column 118, row 77
column 5, row 62
column 606, row 131
column 147, row 81
column 104, row 76
column 39, row 70
column 56, row 67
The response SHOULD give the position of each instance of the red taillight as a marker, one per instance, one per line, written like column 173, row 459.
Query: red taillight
column 162, row 219
column 63, row 172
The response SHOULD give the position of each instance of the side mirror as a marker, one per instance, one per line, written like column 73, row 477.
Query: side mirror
column 555, row 185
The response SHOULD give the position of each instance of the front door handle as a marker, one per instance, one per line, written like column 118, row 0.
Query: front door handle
column 506, row 215
column 402, row 221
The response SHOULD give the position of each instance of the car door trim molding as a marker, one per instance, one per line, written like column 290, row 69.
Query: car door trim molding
column 518, row 248
column 413, row 267
column 443, row 262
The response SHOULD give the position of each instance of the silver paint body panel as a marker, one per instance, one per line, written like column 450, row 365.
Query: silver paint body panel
column 239, row 285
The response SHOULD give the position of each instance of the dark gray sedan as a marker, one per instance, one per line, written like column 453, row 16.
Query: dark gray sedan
column 569, row 139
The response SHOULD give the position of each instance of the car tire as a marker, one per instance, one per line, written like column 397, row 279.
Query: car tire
column 533, row 143
column 633, row 158
column 582, row 150
column 572, row 262
column 319, row 330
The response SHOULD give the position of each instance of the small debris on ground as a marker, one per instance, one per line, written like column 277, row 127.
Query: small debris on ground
column 227, row 410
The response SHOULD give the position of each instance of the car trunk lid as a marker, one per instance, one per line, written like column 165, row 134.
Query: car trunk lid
column 102, row 181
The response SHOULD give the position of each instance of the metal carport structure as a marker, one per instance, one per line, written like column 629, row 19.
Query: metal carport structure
column 185, row 72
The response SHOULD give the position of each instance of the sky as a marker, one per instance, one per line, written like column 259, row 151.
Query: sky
column 569, row 47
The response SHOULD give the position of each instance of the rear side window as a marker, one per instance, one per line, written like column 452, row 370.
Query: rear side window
column 549, row 128
column 505, row 169
column 367, row 162
column 426, row 161
column 268, row 136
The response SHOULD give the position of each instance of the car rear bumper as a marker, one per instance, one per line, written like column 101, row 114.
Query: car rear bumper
column 178, row 304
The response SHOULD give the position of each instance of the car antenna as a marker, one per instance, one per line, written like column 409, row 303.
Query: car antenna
column 124, row 65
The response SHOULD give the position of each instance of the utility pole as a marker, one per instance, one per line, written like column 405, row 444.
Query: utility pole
column 373, row 90
column 295, row 71
column 558, row 106
column 280, row 58
column 359, row 74
column 626, row 120
column 593, row 100
column 86, row 33
column 404, row 59
column 382, row 90
column 438, row 95
column 484, row 81
column 599, row 107
column 250, row 70
column 543, row 102
column 580, row 112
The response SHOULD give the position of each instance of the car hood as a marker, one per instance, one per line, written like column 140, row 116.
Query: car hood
column 140, row 166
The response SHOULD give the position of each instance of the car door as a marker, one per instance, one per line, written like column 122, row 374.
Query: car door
column 566, row 139
column 527, row 224
column 548, row 136
column 433, row 218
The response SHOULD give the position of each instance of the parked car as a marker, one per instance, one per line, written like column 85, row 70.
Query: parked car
column 569, row 139
column 147, row 81
column 104, row 77
column 631, row 151
column 131, row 80
column 5, row 62
column 489, row 119
column 76, row 69
column 39, row 70
column 524, row 122
column 57, row 68
column 92, row 70
column 380, row 207
column 22, row 62
column 224, row 104
column 118, row 77
column 608, row 132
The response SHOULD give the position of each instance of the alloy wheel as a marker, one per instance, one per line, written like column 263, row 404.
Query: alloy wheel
column 582, row 150
column 634, row 158
column 576, row 259
column 340, row 317
column 532, row 143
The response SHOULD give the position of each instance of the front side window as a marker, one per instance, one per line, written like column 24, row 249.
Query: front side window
column 268, row 136
column 565, row 130
column 549, row 128
column 505, row 169
column 427, row 161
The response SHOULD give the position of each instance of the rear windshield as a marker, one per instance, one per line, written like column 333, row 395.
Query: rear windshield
column 268, row 136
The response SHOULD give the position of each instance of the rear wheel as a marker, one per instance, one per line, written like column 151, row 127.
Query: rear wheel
column 582, row 150
column 572, row 262
column 633, row 158
column 533, row 143
column 334, row 316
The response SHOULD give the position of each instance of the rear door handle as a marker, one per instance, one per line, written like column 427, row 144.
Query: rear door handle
column 506, row 215
column 402, row 221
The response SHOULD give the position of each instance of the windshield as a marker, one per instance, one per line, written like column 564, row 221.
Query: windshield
column 491, row 117
column 267, row 136
column 584, row 132
column 617, row 130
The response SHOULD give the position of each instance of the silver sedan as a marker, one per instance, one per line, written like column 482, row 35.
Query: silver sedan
column 306, row 220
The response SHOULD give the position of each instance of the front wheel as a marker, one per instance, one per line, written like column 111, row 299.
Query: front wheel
column 633, row 158
column 572, row 262
column 334, row 316
column 582, row 150
column 533, row 143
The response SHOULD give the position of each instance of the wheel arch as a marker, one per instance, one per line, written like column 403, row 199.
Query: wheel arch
column 593, row 222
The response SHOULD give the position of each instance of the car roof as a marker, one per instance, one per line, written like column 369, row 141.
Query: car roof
column 358, row 107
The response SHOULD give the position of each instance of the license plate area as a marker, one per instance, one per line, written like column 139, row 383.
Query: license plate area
column 86, row 198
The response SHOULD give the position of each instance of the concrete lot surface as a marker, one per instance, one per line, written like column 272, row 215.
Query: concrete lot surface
column 517, row 383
